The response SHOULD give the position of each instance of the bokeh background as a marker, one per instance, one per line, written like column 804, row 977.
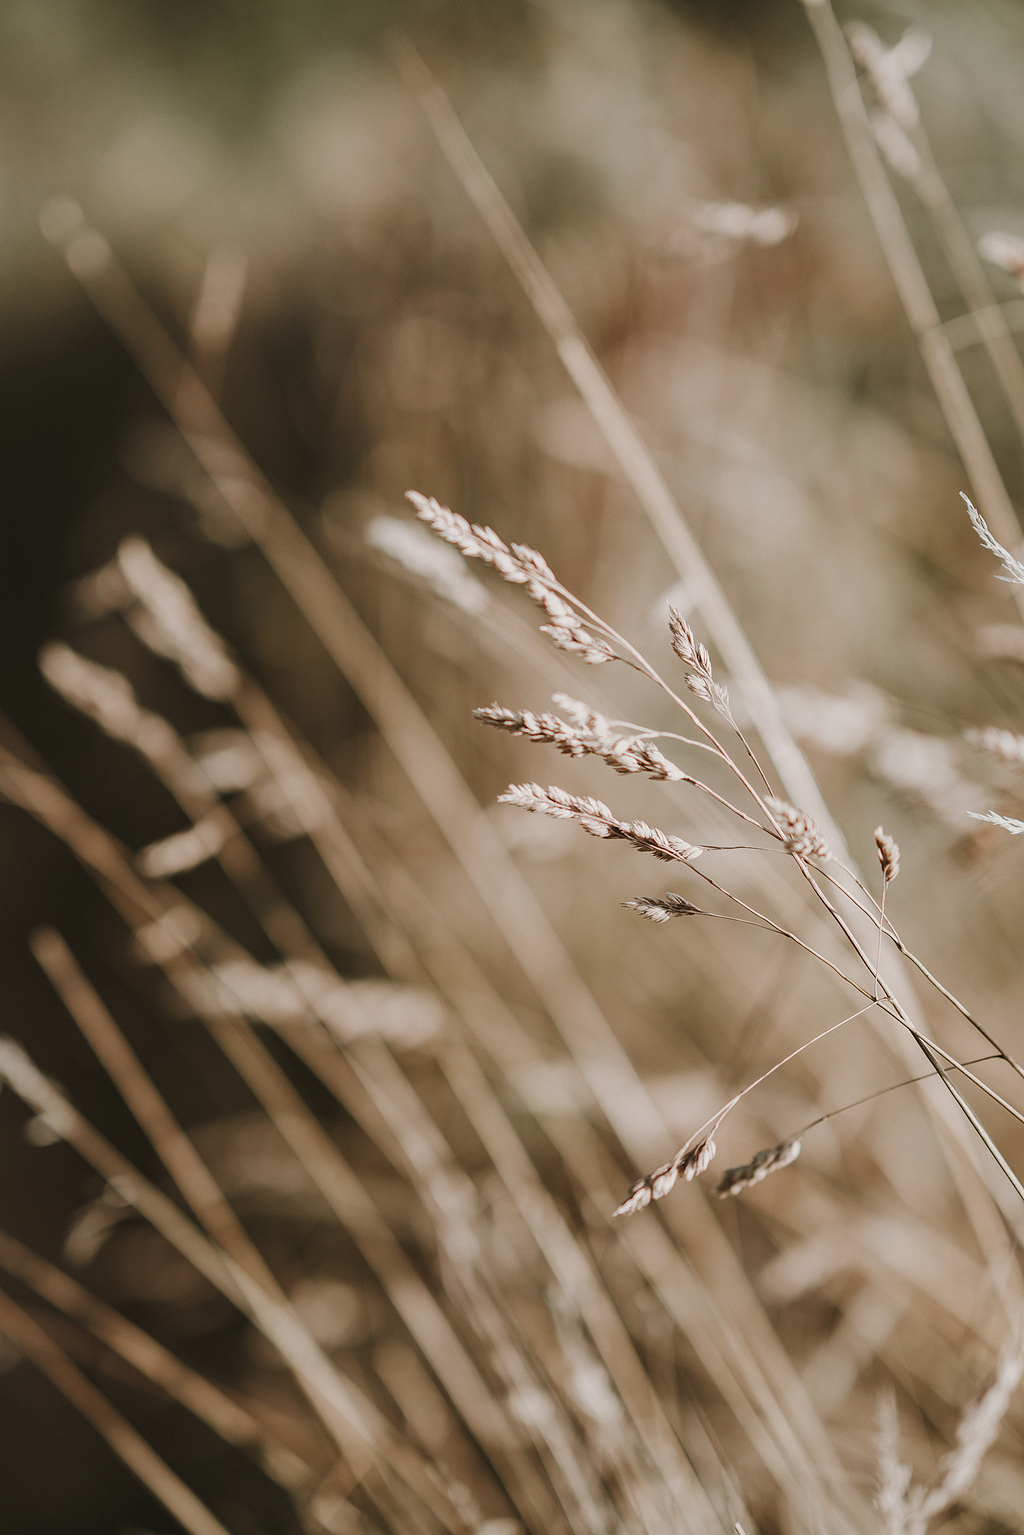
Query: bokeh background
column 270, row 182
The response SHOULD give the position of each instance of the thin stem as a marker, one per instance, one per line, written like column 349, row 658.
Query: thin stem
column 711, row 1125
column 881, row 924
column 733, row 847
column 641, row 664
column 927, row 1046
column 747, row 748
column 154, row 1473
column 857, row 1103
column 872, row 915
column 671, row 735
column 750, row 820
column 975, row 1121
column 919, row 964
column 784, row 932
column 888, row 1005
column 961, row 1009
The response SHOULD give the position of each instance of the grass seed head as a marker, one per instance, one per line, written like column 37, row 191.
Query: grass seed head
column 663, row 908
column 772, row 1160
column 799, row 833
column 687, row 1164
column 888, row 855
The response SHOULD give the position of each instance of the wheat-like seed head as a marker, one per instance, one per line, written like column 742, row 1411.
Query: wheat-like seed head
column 1007, row 822
column 626, row 754
column 545, row 729
column 685, row 1164
column 799, row 833
column 692, row 653
column 1012, row 567
column 771, row 1160
column 888, row 855
column 664, row 907
column 522, row 566
column 595, row 818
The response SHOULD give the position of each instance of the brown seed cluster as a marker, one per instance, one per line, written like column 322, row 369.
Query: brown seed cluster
column 799, row 833
column 663, row 908
column 595, row 818
column 685, row 1164
column 692, row 653
column 626, row 754
column 522, row 566
column 772, row 1160
column 888, row 855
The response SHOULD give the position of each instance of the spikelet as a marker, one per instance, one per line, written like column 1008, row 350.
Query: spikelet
column 1012, row 567
column 735, row 1179
column 546, row 729
column 692, row 653
column 664, row 907
column 888, row 855
column 522, row 566
column 626, row 754
column 1007, row 822
column 595, row 818
column 800, row 835
column 685, row 1164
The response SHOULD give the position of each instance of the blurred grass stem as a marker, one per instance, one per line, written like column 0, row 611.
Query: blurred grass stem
column 911, row 283
column 205, row 1401
column 130, row 1447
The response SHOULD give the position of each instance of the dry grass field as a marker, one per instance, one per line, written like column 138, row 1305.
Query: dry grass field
column 357, row 1127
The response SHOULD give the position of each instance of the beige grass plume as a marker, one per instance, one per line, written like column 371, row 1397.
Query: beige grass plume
column 692, row 653
column 522, row 566
column 626, row 754
column 595, row 818
column 663, row 908
column 685, row 1164
column 888, row 855
column 772, row 1160
column 799, row 833
column 910, row 1511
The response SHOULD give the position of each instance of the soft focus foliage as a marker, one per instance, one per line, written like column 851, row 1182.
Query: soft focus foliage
column 419, row 1039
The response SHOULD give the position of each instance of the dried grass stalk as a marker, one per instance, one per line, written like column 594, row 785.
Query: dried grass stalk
column 910, row 1510
column 218, row 1411
column 626, row 754
column 595, row 818
column 180, row 1502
